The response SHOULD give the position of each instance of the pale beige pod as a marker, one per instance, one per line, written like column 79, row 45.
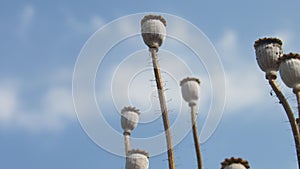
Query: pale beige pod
column 190, row 89
column 153, row 30
column 129, row 118
column 137, row 159
column 268, row 51
column 289, row 70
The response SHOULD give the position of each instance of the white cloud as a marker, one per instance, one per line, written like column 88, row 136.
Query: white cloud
column 245, row 86
column 227, row 47
column 58, row 101
column 55, row 112
column 51, row 112
column 96, row 22
column 8, row 101
column 245, row 89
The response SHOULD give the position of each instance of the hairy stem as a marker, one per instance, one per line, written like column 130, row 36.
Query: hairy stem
column 163, row 107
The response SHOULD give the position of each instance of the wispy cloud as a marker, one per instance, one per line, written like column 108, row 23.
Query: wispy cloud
column 244, row 88
column 228, row 45
column 8, row 100
column 26, row 19
column 55, row 112
column 51, row 112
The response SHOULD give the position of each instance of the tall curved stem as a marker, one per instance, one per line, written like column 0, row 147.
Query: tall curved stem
column 290, row 115
column 195, row 135
column 163, row 107
column 298, row 101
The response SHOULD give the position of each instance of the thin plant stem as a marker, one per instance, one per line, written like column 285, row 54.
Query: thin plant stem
column 298, row 101
column 290, row 115
column 127, row 142
column 163, row 107
column 195, row 135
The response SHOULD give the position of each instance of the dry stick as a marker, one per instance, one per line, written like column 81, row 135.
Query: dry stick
column 163, row 107
column 298, row 101
column 195, row 134
column 290, row 115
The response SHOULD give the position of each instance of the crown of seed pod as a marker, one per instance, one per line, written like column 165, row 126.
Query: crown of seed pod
column 153, row 30
column 235, row 163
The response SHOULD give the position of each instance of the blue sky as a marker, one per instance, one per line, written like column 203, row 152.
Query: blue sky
column 41, row 40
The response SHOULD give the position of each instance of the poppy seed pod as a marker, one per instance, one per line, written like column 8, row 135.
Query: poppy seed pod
column 153, row 30
column 137, row 159
column 235, row 163
column 190, row 89
column 129, row 118
column 268, row 51
column 289, row 70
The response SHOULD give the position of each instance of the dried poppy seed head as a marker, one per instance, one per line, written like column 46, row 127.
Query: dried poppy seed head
column 190, row 89
column 129, row 118
column 153, row 30
column 289, row 70
column 268, row 51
